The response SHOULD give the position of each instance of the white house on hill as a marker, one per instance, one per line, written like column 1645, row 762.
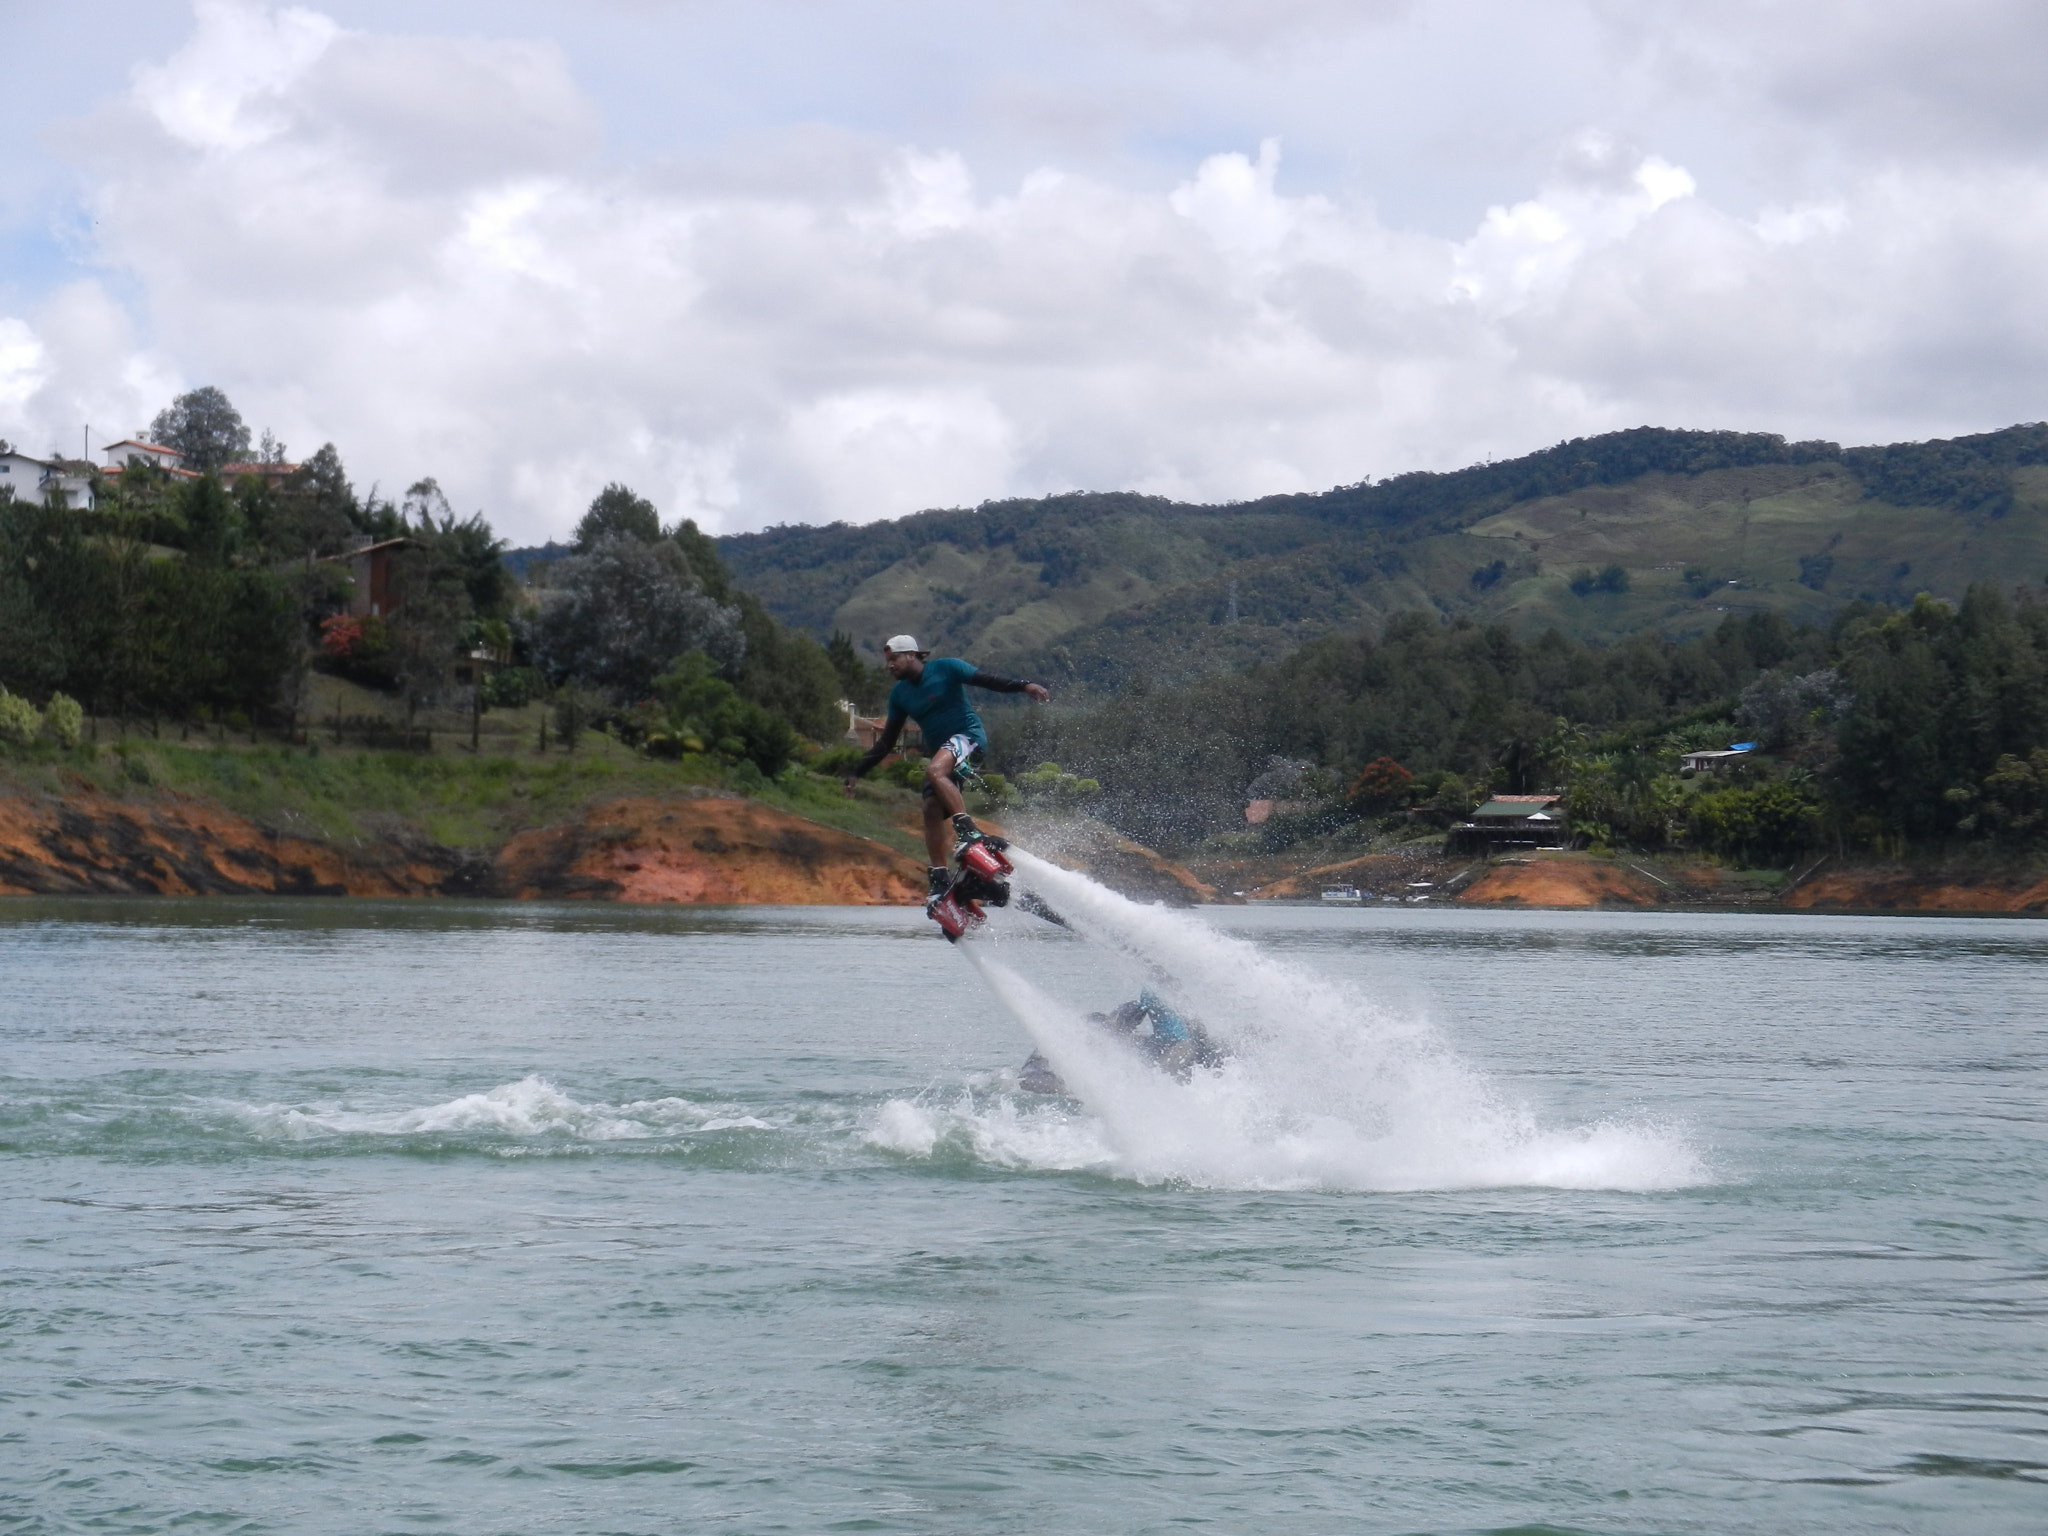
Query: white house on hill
column 22, row 475
column 34, row 479
column 117, row 455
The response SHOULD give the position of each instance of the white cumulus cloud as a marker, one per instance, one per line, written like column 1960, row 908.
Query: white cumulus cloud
column 223, row 89
column 418, row 247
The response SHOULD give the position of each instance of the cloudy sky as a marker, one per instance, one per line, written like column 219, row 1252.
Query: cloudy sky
column 797, row 260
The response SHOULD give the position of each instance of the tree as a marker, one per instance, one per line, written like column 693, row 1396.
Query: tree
column 617, row 616
column 787, row 672
column 39, row 551
column 617, row 512
column 124, row 653
column 429, row 610
column 213, row 522
column 706, row 714
column 1585, row 581
column 784, row 670
column 225, row 638
column 866, row 686
column 310, row 592
column 318, row 509
column 1786, row 713
column 2015, row 806
column 1380, row 787
column 468, row 546
column 204, row 427
column 1769, row 823
column 701, row 551
column 146, row 502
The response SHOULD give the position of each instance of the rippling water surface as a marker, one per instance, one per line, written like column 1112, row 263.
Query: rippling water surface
column 352, row 1217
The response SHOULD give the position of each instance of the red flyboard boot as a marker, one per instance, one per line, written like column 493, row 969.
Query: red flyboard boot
column 952, row 908
column 984, row 860
column 955, row 917
column 978, row 853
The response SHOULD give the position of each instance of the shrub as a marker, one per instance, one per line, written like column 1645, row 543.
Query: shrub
column 907, row 770
column 704, row 713
column 1050, row 782
column 1454, row 797
column 768, row 741
column 359, row 649
column 511, row 688
column 1763, row 823
column 64, row 720
column 339, row 633
column 836, row 762
column 1585, row 582
column 19, row 719
column 2015, row 797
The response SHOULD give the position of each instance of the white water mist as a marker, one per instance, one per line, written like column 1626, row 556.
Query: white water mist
column 1322, row 1087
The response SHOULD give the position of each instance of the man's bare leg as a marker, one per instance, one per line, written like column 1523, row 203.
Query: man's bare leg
column 940, row 807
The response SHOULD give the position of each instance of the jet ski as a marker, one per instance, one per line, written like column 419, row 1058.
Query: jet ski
column 1163, row 1037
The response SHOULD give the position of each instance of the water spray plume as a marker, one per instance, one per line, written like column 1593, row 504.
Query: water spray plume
column 1322, row 1088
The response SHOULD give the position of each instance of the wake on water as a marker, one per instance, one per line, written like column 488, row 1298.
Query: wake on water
column 1320, row 1089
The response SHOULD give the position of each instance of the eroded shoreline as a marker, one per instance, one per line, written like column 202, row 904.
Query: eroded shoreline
column 711, row 847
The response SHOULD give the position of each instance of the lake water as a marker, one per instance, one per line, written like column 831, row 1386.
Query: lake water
column 354, row 1217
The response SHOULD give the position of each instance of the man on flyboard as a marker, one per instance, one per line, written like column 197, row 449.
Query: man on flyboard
column 934, row 694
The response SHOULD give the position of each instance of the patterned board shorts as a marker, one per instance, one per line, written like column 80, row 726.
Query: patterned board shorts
column 966, row 761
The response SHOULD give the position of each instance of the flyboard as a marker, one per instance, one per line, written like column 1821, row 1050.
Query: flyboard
column 983, row 881
column 1162, row 1036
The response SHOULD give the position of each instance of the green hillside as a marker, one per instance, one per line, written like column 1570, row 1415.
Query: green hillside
column 1093, row 589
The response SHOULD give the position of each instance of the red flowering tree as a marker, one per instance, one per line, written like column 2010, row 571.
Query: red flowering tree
column 339, row 634
column 1380, row 787
column 357, row 648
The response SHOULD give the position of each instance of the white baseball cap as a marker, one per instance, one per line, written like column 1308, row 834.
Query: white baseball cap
column 901, row 645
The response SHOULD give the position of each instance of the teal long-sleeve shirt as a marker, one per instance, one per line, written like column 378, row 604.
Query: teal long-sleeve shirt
column 937, row 701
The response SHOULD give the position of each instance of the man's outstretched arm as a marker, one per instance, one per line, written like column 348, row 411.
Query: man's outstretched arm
column 996, row 683
column 884, row 745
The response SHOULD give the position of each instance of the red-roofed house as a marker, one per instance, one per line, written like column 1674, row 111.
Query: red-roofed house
column 117, row 455
column 272, row 475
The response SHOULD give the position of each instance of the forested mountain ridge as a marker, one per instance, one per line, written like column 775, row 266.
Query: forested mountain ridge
column 1644, row 530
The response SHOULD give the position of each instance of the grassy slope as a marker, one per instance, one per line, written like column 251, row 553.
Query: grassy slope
column 455, row 799
column 1151, row 590
column 1749, row 530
